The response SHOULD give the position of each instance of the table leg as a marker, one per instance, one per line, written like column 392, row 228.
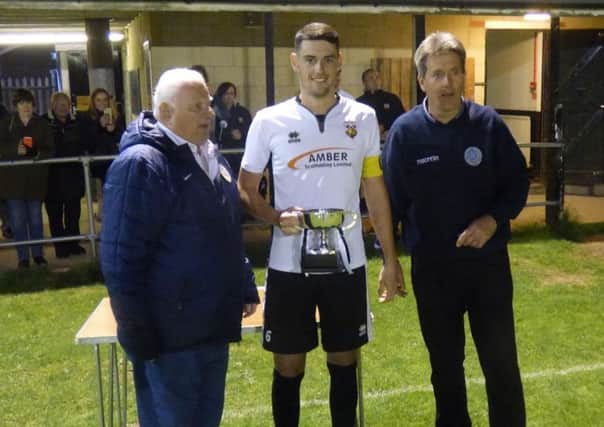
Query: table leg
column 97, row 352
column 360, row 391
column 125, row 385
column 117, row 389
column 111, row 381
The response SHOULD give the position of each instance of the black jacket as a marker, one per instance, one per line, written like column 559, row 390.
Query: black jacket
column 27, row 182
column 66, row 180
column 387, row 106
column 237, row 117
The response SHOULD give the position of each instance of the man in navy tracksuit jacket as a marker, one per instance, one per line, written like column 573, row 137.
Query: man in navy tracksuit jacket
column 172, row 256
column 457, row 176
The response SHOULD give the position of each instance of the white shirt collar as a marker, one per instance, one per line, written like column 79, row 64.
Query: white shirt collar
column 431, row 118
column 209, row 150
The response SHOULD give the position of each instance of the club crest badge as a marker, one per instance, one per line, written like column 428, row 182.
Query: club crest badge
column 473, row 156
column 225, row 173
column 351, row 129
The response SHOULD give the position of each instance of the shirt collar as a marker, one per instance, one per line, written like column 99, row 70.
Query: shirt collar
column 432, row 119
column 208, row 148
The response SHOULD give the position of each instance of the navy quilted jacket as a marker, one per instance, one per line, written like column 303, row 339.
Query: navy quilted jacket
column 171, row 247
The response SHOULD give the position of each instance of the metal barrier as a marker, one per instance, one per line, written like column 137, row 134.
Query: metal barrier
column 92, row 235
column 559, row 146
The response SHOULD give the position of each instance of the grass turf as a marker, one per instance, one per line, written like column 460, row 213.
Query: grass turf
column 559, row 304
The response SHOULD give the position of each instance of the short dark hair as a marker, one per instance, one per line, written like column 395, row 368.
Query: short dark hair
column 317, row 31
column 23, row 95
column 201, row 70
column 367, row 71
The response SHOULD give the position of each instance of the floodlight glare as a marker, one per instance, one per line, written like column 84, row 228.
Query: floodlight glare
column 46, row 38
column 537, row 16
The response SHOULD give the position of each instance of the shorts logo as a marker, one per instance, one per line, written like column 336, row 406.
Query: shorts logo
column 293, row 137
column 351, row 129
column 363, row 330
column 386, row 106
column 473, row 156
column 268, row 335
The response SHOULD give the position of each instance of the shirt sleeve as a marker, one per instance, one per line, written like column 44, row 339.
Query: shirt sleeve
column 134, row 201
column 257, row 149
column 371, row 161
column 392, row 162
column 512, row 176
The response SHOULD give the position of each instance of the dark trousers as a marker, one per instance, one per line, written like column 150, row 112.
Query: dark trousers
column 63, row 220
column 184, row 388
column 447, row 288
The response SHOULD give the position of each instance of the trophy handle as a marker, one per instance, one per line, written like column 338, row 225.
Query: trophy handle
column 354, row 217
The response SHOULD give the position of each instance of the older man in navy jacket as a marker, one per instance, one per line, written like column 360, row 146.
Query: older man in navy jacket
column 172, row 256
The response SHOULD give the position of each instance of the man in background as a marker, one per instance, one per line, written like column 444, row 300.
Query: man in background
column 387, row 105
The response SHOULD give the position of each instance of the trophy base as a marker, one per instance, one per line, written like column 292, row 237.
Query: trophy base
column 325, row 263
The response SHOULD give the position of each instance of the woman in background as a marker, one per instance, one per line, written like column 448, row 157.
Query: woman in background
column 232, row 123
column 101, row 130
column 25, row 136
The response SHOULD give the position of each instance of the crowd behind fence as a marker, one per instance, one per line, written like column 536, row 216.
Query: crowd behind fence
column 92, row 236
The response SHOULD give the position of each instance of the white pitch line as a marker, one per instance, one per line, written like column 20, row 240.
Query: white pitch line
column 548, row 373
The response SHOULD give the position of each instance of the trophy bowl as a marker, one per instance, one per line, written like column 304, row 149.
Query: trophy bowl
column 317, row 219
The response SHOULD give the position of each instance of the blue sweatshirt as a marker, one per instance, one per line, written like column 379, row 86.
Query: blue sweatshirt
column 441, row 177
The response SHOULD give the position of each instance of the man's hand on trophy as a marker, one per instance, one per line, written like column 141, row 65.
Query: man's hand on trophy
column 391, row 282
column 290, row 220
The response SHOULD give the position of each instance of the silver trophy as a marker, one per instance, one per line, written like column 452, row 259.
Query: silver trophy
column 321, row 229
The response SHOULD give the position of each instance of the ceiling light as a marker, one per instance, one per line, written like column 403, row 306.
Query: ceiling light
column 46, row 38
column 537, row 16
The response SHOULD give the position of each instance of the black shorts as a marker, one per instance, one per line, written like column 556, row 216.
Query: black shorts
column 290, row 325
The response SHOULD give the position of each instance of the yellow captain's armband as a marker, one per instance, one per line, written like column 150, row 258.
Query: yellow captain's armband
column 371, row 167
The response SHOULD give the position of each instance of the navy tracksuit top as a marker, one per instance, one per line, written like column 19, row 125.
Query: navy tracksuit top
column 441, row 177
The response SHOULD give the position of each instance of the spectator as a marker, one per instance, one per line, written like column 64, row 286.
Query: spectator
column 7, row 233
column 387, row 105
column 172, row 256
column 232, row 122
column 387, row 108
column 24, row 135
column 65, row 180
column 101, row 130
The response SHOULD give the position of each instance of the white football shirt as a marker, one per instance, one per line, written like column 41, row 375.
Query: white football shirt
column 314, row 166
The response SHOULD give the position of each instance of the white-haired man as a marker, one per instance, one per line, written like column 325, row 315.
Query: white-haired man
column 172, row 256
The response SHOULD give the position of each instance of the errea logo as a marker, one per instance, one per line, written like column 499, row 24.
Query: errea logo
column 293, row 137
